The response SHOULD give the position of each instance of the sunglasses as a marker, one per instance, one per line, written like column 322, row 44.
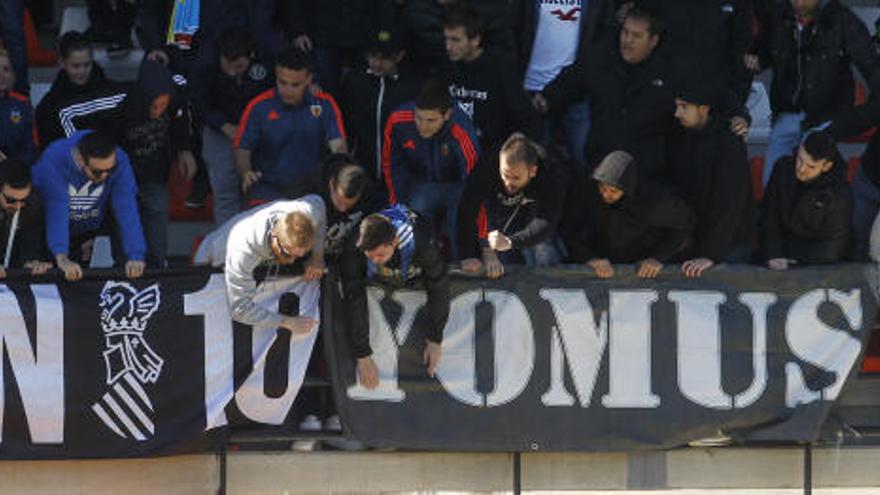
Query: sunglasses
column 14, row 201
column 282, row 249
column 99, row 173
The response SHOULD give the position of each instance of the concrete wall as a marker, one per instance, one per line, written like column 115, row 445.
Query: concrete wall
column 716, row 471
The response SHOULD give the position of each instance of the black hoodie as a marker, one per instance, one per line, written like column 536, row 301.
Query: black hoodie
column 527, row 218
column 807, row 221
column 647, row 222
column 63, row 92
column 151, row 144
column 711, row 170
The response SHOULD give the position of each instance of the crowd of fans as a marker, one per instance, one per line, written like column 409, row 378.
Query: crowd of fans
column 389, row 138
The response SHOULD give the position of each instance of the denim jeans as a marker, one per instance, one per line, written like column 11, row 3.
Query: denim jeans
column 225, row 182
column 153, row 206
column 545, row 253
column 434, row 200
column 575, row 123
column 866, row 199
column 785, row 135
column 12, row 32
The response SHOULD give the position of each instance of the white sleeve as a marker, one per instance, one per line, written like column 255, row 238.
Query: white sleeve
column 245, row 250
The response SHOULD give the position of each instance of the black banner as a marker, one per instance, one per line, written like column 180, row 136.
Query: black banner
column 108, row 367
column 539, row 360
column 558, row 360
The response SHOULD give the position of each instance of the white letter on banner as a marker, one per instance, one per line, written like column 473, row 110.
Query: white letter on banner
column 212, row 302
column 251, row 396
column 579, row 340
column 829, row 348
column 40, row 374
column 699, row 347
column 629, row 329
column 385, row 341
column 514, row 346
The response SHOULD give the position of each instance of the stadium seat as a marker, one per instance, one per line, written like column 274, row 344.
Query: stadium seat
column 852, row 168
column 178, row 190
column 756, row 165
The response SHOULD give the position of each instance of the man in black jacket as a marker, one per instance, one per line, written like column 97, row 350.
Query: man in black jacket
column 711, row 171
column 79, row 76
column 631, row 99
column 394, row 247
column 806, row 214
column 810, row 45
column 509, row 211
column 629, row 220
column 22, row 234
column 368, row 97
column 484, row 85
column 229, row 85
column 336, row 31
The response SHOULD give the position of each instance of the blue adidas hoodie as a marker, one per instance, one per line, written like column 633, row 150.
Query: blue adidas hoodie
column 75, row 205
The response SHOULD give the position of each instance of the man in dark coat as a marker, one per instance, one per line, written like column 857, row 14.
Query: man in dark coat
column 806, row 214
column 629, row 220
column 394, row 247
column 369, row 96
column 711, row 171
column 631, row 98
column 510, row 210
column 811, row 46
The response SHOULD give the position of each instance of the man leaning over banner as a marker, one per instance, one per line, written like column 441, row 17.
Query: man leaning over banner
column 278, row 233
column 394, row 247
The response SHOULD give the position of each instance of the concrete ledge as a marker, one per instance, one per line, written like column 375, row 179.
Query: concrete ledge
column 184, row 475
column 736, row 468
column 262, row 473
column 574, row 471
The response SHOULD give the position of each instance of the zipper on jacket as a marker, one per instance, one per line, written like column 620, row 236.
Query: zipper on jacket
column 379, row 132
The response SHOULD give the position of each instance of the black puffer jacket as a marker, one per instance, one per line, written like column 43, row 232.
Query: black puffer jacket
column 807, row 221
column 811, row 63
column 711, row 171
column 631, row 107
column 647, row 222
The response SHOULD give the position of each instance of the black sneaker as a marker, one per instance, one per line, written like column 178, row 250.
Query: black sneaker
column 196, row 198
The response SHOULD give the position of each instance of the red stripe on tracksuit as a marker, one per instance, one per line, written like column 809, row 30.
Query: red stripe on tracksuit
column 328, row 97
column 242, row 124
column 397, row 117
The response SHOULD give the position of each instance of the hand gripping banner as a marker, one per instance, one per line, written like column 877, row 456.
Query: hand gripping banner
column 559, row 360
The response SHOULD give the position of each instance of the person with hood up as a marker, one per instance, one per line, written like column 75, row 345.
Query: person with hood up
column 519, row 202
column 806, row 214
column 630, row 220
column 79, row 77
column 152, row 126
column 711, row 170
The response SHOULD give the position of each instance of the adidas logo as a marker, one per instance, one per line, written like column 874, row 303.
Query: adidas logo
column 83, row 201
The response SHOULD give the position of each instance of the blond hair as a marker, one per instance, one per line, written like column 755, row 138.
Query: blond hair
column 296, row 230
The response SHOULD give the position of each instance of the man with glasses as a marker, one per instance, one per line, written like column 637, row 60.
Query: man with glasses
column 80, row 178
column 21, row 220
column 278, row 233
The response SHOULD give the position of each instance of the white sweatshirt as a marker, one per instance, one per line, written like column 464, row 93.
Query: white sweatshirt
column 242, row 244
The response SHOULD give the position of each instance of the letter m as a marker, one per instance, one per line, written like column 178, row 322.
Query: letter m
column 38, row 372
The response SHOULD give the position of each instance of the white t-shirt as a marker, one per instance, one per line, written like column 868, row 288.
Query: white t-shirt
column 556, row 41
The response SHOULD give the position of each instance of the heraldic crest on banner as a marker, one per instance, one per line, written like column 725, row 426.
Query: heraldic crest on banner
column 130, row 362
